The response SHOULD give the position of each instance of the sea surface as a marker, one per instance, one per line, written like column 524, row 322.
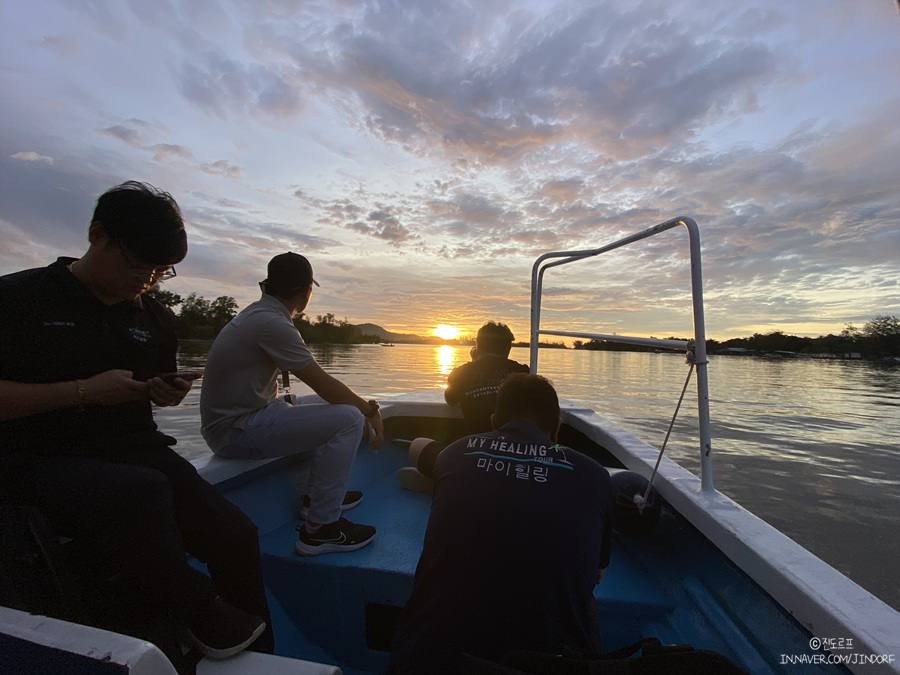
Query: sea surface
column 810, row 446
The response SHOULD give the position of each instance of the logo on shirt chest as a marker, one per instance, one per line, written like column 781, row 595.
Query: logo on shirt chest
column 139, row 334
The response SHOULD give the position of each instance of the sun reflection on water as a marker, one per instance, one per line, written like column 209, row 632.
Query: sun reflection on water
column 445, row 356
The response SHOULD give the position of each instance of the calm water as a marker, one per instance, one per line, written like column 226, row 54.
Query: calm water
column 809, row 446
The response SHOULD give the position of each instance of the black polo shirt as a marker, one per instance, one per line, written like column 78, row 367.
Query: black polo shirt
column 53, row 329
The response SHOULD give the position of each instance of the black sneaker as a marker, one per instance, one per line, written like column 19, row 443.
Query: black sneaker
column 223, row 630
column 351, row 501
column 334, row 538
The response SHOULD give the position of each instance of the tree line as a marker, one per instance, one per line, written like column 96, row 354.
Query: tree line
column 200, row 319
column 877, row 339
column 328, row 330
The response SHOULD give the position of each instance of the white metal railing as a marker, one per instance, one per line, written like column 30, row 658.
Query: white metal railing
column 697, row 345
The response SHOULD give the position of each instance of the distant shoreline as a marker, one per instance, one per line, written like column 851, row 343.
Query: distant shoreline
column 205, row 343
column 878, row 339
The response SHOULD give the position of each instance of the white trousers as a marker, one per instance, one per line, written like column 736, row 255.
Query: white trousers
column 329, row 433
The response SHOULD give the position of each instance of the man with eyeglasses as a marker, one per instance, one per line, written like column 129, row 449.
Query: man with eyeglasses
column 83, row 354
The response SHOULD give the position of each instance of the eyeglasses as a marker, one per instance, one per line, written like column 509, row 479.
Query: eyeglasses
column 157, row 274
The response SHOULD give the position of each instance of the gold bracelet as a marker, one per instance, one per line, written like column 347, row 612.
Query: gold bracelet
column 79, row 392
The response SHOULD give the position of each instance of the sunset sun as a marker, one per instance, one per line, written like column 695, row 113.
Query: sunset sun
column 446, row 332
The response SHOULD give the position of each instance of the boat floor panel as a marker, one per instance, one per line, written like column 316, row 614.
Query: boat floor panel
column 343, row 583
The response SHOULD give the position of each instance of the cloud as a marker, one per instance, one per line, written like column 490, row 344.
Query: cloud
column 388, row 227
column 31, row 157
column 381, row 225
column 495, row 86
column 224, row 168
column 66, row 46
column 227, row 88
column 500, row 89
column 164, row 152
column 133, row 136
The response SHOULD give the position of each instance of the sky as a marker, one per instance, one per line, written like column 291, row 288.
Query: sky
column 423, row 154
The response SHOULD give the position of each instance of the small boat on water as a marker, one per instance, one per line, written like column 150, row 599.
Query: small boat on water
column 709, row 573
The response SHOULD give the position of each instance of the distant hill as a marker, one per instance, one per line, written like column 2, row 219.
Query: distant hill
column 388, row 336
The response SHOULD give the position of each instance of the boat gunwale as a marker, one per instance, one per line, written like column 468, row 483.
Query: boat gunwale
column 824, row 600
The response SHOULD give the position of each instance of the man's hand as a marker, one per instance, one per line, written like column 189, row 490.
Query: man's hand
column 167, row 391
column 375, row 424
column 113, row 387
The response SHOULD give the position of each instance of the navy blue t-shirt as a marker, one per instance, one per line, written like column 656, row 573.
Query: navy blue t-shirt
column 518, row 531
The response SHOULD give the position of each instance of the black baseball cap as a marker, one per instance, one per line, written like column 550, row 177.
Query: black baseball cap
column 287, row 274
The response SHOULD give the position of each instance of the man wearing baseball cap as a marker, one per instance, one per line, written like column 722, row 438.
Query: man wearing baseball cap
column 243, row 417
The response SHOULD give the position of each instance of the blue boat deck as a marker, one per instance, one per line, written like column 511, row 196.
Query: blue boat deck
column 340, row 608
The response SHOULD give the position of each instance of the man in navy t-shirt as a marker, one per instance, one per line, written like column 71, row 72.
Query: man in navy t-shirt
column 519, row 535
column 473, row 388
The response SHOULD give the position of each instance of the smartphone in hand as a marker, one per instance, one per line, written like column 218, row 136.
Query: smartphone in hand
column 188, row 375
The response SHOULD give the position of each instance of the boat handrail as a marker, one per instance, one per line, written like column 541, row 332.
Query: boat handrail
column 697, row 345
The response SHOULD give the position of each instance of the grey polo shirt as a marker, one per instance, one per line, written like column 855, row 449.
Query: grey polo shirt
column 244, row 365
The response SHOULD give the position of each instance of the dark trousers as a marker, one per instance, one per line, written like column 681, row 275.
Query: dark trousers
column 428, row 457
column 139, row 517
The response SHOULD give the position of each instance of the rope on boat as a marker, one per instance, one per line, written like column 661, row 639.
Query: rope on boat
column 641, row 500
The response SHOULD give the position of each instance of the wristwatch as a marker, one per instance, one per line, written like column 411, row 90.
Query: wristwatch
column 373, row 408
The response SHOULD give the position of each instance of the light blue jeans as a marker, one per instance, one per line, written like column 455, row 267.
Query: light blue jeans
column 328, row 433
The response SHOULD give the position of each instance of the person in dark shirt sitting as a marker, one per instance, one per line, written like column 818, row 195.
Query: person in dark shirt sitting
column 518, row 536
column 473, row 388
column 84, row 352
